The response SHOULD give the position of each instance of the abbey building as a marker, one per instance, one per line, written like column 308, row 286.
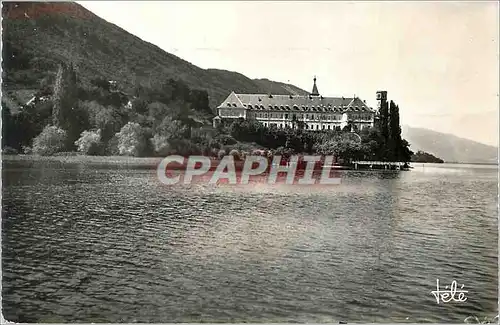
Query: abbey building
column 310, row 112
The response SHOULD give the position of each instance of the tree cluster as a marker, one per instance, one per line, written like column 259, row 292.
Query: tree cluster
column 392, row 146
column 369, row 144
column 97, row 119
column 425, row 157
column 170, row 118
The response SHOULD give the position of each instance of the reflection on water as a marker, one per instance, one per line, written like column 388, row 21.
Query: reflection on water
column 86, row 243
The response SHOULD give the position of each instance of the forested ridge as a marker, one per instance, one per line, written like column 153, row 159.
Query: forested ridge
column 74, row 83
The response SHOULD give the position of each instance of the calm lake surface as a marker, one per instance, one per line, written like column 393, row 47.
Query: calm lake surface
column 84, row 242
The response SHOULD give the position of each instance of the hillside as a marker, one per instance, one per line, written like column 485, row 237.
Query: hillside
column 39, row 35
column 277, row 87
column 449, row 147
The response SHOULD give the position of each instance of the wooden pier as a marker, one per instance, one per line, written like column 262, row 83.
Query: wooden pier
column 381, row 164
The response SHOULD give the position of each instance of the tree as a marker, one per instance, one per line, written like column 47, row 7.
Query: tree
column 105, row 118
column 101, row 83
column 345, row 149
column 90, row 143
column 8, row 128
column 66, row 113
column 221, row 153
column 140, row 105
column 406, row 153
column 65, row 94
column 384, row 120
column 373, row 144
column 383, row 125
column 51, row 140
column 131, row 140
column 199, row 101
column 156, row 112
column 399, row 148
column 235, row 153
column 426, row 157
column 394, row 141
column 172, row 128
column 166, row 133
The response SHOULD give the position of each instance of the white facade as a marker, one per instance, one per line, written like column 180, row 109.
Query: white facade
column 314, row 121
column 315, row 112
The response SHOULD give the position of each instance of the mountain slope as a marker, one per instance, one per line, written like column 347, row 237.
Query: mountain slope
column 449, row 147
column 277, row 87
column 38, row 35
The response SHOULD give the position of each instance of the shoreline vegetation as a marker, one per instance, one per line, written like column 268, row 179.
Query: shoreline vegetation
column 425, row 157
column 67, row 117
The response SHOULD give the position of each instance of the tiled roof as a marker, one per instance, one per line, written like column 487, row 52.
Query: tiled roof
column 233, row 100
column 303, row 103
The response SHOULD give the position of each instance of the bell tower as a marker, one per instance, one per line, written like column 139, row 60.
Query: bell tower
column 381, row 99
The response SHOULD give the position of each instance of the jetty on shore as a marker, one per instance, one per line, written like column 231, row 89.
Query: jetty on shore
column 390, row 165
column 301, row 165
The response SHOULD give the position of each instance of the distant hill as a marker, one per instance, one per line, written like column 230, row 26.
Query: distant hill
column 425, row 157
column 39, row 35
column 449, row 147
column 279, row 88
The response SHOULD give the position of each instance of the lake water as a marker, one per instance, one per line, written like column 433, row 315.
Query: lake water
column 109, row 243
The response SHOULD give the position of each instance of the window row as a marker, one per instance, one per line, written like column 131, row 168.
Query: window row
column 306, row 126
column 230, row 113
column 299, row 117
column 359, row 116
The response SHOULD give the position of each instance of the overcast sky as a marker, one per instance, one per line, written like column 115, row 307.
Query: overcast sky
column 438, row 60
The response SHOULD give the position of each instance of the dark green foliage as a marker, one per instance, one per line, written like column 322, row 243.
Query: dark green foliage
column 425, row 157
column 19, row 129
column 65, row 95
column 343, row 144
column 66, row 46
column 62, row 41
column 296, row 140
column 63, row 31
column 384, row 121
column 398, row 147
column 75, row 108
column 66, row 112
column 50, row 141
column 341, row 148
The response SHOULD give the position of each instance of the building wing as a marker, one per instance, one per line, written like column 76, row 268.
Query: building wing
column 232, row 101
column 314, row 111
column 297, row 103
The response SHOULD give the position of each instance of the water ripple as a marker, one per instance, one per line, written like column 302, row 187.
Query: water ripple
column 86, row 243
